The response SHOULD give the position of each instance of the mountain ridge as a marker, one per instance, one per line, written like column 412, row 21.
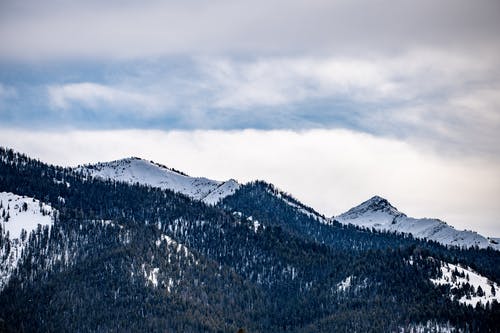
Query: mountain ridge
column 378, row 213
column 137, row 170
column 139, row 258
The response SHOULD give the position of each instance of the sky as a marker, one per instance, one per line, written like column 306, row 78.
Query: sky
column 332, row 101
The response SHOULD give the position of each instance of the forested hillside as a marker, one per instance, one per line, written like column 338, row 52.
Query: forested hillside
column 121, row 257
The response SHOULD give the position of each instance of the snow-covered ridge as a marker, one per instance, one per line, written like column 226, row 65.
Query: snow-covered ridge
column 135, row 170
column 467, row 286
column 19, row 217
column 375, row 213
column 379, row 214
column 303, row 209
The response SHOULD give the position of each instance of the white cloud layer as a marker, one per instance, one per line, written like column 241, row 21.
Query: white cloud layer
column 97, row 96
column 123, row 29
column 416, row 74
column 450, row 101
column 331, row 170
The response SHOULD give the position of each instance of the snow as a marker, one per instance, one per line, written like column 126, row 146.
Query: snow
column 494, row 241
column 254, row 224
column 174, row 249
column 379, row 214
column 106, row 222
column 135, row 170
column 301, row 208
column 61, row 182
column 223, row 190
column 164, row 238
column 151, row 276
column 304, row 211
column 170, row 285
column 28, row 218
column 174, row 244
column 450, row 277
column 344, row 284
column 428, row 327
column 25, row 220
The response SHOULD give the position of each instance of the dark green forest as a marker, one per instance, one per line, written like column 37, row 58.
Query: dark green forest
column 213, row 272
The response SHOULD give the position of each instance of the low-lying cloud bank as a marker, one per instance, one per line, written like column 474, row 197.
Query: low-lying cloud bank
column 331, row 170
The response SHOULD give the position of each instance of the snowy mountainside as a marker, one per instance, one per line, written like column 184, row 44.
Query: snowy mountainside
column 223, row 190
column 379, row 214
column 135, row 170
column 19, row 217
column 296, row 204
column 154, row 260
column 467, row 286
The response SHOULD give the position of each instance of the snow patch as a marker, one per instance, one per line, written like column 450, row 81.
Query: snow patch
column 164, row 238
column 106, row 222
column 477, row 288
column 223, row 190
column 345, row 284
column 349, row 284
column 429, row 326
column 151, row 276
column 171, row 243
column 254, row 223
column 20, row 216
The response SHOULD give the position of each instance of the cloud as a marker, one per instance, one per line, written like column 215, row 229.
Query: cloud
column 428, row 96
column 281, row 81
column 447, row 100
column 331, row 170
column 419, row 71
column 469, row 121
column 95, row 96
column 7, row 92
column 128, row 29
column 417, row 74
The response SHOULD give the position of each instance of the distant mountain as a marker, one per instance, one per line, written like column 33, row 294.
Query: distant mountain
column 379, row 214
column 131, row 246
column 135, row 170
column 375, row 213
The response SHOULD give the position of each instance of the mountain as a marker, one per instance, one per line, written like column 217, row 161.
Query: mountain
column 121, row 256
column 20, row 216
column 377, row 213
column 135, row 170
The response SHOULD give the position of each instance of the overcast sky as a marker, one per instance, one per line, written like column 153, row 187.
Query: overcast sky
column 333, row 101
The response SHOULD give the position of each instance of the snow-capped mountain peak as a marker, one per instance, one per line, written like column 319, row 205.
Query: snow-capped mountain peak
column 136, row 170
column 379, row 214
column 375, row 204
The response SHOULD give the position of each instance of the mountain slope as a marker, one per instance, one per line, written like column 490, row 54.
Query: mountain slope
column 379, row 214
column 20, row 217
column 375, row 213
column 122, row 257
column 135, row 170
